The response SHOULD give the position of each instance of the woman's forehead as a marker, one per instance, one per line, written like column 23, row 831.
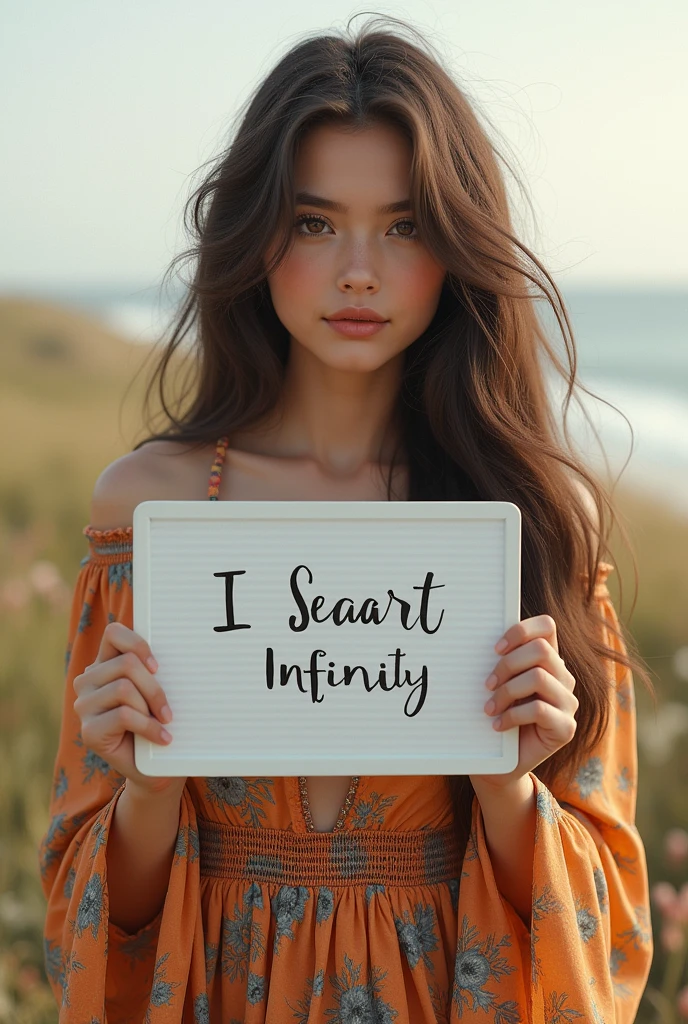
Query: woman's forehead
column 369, row 168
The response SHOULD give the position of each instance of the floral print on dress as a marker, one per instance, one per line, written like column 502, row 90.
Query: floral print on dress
column 163, row 991
column 85, row 618
column 601, row 889
column 589, row 777
column 471, row 852
column 370, row 813
column 57, row 829
column 61, row 783
column 68, row 887
column 119, row 573
column 477, row 965
column 417, row 935
column 325, row 904
column 624, row 699
column 371, row 890
column 253, row 897
column 70, row 965
column 248, row 795
column 617, row 958
column 242, row 939
column 288, row 906
column 138, row 947
column 624, row 862
column 255, row 990
column 201, row 1009
column 440, row 1003
column 587, row 922
column 90, row 912
column 544, row 902
column 99, row 833
column 54, row 967
column 187, row 844
column 357, row 1002
column 639, row 934
column 556, row 1011
column 623, row 779
column 92, row 764
column 211, row 957
column 547, row 807
column 312, row 990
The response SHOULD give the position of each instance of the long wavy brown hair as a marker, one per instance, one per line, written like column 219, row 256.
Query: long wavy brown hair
column 476, row 422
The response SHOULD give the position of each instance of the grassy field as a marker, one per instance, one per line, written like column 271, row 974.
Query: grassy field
column 62, row 378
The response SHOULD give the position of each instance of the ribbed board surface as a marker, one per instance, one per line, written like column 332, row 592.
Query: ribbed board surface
column 225, row 715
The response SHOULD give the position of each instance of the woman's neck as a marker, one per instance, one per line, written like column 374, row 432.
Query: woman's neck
column 343, row 421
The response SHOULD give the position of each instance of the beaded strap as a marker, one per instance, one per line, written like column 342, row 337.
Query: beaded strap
column 216, row 468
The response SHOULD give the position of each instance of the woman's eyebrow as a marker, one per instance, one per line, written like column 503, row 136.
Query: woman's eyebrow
column 310, row 199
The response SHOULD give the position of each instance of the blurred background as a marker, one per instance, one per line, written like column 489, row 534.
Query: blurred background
column 109, row 113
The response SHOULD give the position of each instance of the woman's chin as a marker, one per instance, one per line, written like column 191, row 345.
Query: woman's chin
column 352, row 355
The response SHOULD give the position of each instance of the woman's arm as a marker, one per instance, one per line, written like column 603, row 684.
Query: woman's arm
column 139, row 854
column 510, row 819
column 145, row 823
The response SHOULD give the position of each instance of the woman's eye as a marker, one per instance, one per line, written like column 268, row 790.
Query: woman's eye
column 311, row 219
column 308, row 218
column 405, row 224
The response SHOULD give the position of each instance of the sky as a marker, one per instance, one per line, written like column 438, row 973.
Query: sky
column 110, row 111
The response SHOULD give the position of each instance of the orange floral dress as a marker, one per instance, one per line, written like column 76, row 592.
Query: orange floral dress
column 376, row 922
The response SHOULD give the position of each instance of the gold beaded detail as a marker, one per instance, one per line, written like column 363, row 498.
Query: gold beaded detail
column 305, row 805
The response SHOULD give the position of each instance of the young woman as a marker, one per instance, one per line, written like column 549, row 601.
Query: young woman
column 366, row 330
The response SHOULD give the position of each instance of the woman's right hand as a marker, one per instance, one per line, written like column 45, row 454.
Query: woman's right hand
column 117, row 696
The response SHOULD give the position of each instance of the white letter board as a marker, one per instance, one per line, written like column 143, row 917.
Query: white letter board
column 326, row 638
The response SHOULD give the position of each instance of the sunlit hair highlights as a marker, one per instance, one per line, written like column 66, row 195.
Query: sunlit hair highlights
column 476, row 420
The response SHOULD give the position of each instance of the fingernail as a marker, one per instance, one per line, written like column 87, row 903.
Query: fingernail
column 497, row 722
column 490, row 706
column 166, row 713
column 152, row 664
column 491, row 682
column 165, row 735
column 502, row 645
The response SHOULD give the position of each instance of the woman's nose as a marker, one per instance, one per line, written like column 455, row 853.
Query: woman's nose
column 358, row 272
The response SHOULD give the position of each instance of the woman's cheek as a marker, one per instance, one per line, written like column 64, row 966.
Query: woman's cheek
column 420, row 288
column 296, row 281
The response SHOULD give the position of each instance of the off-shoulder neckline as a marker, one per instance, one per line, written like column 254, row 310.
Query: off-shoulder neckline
column 108, row 545
column 122, row 534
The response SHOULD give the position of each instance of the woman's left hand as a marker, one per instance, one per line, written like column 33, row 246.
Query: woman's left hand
column 530, row 667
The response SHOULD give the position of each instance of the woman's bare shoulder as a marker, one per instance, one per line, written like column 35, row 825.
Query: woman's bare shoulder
column 158, row 471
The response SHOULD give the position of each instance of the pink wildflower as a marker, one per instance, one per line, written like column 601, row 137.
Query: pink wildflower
column 676, row 846
column 682, row 1003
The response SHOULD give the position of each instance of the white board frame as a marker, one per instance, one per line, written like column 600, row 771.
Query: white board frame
column 156, row 760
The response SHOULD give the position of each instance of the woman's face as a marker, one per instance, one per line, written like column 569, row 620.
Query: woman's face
column 357, row 254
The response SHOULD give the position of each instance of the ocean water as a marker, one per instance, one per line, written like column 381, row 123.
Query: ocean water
column 632, row 353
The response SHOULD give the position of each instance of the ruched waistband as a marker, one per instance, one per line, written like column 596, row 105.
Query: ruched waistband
column 404, row 858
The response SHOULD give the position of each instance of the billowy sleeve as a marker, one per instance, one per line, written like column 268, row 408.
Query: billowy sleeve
column 588, row 952
column 96, row 970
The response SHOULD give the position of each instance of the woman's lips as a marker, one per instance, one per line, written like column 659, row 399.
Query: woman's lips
column 357, row 328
